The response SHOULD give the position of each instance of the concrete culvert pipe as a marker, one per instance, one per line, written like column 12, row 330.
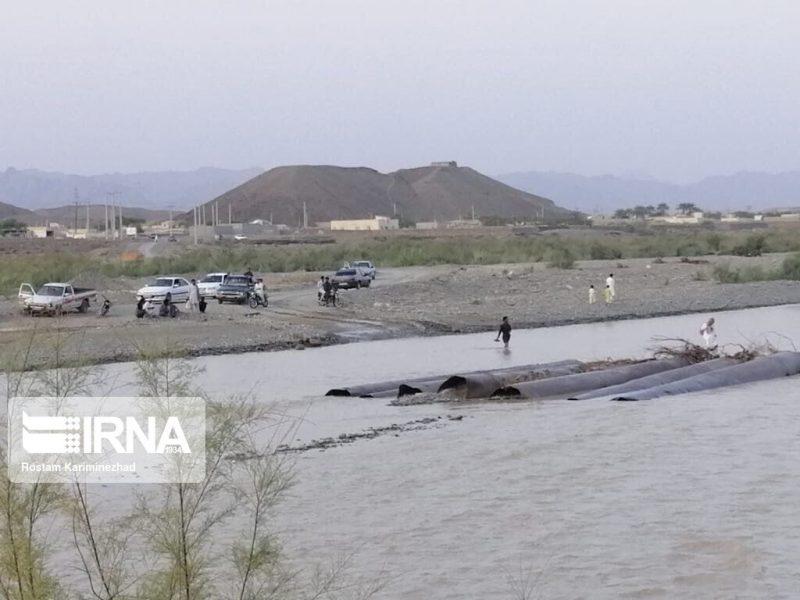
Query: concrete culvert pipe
column 658, row 378
column 405, row 387
column 370, row 390
column 774, row 366
column 562, row 387
column 481, row 385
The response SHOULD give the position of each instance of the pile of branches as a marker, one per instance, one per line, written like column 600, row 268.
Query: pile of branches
column 691, row 352
column 682, row 348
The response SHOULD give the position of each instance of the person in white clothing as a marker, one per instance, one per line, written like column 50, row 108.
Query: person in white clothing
column 610, row 283
column 592, row 295
column 321, row 288
column 709, row 333
column 193, row 304
column 260, row 291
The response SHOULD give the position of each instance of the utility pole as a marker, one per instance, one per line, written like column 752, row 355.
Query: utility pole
column 305, row 216
column 113, row 221
column 75, row 229
column 105, row 223
column 170, row 221
column 473, row 212
column 230, row 214
column 88, row 206
column 120, row 221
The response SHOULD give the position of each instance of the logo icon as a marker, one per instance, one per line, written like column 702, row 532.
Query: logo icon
column 51, row 435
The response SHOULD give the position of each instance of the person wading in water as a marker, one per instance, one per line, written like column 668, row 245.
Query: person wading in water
column 505, row 331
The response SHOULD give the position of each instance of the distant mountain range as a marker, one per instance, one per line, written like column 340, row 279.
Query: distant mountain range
column 436, row 192
column 33, row 189
column 69, row 217
column 606, row 193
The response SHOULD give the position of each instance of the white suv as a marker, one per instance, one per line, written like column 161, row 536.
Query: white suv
column 366, row 267
column 209, row 284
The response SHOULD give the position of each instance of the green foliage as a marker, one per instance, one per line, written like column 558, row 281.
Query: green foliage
column 560, row 257
column 393, row 251
column 11, row 225
column 789, row 270
column 754, row 245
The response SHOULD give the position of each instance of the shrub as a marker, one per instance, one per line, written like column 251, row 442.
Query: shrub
column 790, row 269
column 754, row 245
column 560, row 257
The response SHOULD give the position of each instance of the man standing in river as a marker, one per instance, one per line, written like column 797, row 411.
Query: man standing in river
column 505, row 331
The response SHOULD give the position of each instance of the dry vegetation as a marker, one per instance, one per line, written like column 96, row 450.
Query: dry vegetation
column 57, row 262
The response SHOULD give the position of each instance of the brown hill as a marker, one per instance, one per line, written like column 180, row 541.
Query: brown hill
column 9, row 211
column 421, row 194
column 66, row 214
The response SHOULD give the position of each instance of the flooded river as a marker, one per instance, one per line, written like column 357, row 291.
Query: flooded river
column 685, row 497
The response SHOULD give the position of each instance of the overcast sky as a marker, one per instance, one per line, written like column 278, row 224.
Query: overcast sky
column 676, row 89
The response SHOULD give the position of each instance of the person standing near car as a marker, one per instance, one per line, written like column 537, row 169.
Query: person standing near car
column 328, row 291
column 194, row 297
column 321, row 288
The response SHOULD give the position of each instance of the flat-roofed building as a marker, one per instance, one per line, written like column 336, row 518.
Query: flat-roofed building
column 374, row 224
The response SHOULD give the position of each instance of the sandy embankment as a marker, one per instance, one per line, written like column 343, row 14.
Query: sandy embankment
column 404, row 302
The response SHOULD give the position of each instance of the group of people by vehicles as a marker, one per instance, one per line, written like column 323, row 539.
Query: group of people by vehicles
column 353, row 275
column 162, row 297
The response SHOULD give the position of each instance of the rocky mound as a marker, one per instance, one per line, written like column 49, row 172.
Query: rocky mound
column 422, row 194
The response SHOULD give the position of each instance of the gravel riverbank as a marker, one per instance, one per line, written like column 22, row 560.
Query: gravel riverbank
column 400, row 303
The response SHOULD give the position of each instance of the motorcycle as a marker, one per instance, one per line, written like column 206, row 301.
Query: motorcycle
column 254, row 300
column 105, row 307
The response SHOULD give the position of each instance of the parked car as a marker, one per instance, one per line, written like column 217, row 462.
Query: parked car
column 177, row 287
column 352, row 277
column 237, row 288
column 239, row 237
column 209, row 284
column 367, row 267
column 55, row 298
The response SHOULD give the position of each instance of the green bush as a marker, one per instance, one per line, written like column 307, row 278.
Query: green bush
column 560, row 257
column 754, row 245
column 790, row 269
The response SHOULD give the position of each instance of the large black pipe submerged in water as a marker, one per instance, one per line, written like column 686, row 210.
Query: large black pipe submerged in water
column 774, row 366
column 561, row 387
column 469, row 382
column 658, row 378
column 563, row 379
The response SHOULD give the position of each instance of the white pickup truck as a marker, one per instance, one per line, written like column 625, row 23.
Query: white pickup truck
column 54, row 298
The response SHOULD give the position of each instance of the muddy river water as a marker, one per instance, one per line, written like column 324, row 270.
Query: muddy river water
column 695, row 496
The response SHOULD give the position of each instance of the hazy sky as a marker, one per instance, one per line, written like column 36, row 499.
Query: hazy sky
column 677, row 89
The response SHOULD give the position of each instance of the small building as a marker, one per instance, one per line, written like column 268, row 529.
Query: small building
column 694, row 218
column 444, row 163
column 782, row 218
column 376, row 223
column 427, row 225
column 463, row 224
column 41, row 232
column 77, row 234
